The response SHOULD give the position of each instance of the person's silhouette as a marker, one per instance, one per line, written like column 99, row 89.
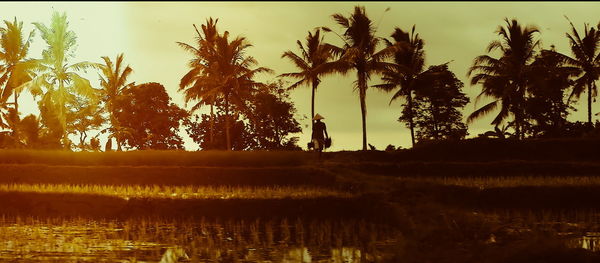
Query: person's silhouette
column 319, row 133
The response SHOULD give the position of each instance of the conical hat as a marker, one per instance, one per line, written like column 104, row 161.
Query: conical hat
column 318, row 117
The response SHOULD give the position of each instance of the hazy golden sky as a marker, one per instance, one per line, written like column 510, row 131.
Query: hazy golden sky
column 147, row 31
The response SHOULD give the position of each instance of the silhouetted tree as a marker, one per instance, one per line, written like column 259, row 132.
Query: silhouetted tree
column 587, row 59
column 313, row 62
column 30, row 130
column 11, row 137
column 82, row 117
column 229, row 74
column 198, row 84
column 29, row 133
column 498, row 132
column 147, row 110
column 15, row 67
column 550, row 79
column 113, row 81
column 236, row 79
column 506, row 78
column 95, row 144
column 273, row 119
column 406, row 72
column 437, row 106
column 240, row 134
column 56, row 76
column 359, row 52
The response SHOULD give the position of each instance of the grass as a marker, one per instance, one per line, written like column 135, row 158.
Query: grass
column 182, row 192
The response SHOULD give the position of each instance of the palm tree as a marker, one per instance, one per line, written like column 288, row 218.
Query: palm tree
column 196, row 84
column 15, row 68
column 113, row 81
column 506, row 78
column 587, row 58
column 359, row 53
column 407, row 72
column 220, row 69
column 58, row 78
column 233, row 74
column 314, row 61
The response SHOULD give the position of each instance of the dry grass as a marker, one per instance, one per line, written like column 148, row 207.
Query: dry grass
column 181, row 192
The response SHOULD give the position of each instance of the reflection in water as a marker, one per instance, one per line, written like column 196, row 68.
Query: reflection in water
column 281, row 240
column 590, row 241
column 174, row 255
column 578, row 228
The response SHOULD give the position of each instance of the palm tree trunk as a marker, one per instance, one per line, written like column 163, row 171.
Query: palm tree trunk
column 362, row 89
column 590, row 85
column 410, row 119
column 227, row 136
column 16, row 102
column 436, row 132
column 312, row 103
column 62, row 115
column 82, row 138
column 119, row 143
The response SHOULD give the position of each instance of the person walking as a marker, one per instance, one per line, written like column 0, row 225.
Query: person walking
column 319, row 134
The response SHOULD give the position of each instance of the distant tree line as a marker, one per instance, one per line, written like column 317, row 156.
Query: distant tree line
column 245, row 114
column 532, row 89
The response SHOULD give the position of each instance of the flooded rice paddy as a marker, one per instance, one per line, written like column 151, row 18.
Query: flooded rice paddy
column 27, row 239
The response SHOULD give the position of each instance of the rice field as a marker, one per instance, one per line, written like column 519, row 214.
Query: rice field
column 158, row 158
column 182, row 192
column 483, row 182
column 347, row 208
column 27, row 239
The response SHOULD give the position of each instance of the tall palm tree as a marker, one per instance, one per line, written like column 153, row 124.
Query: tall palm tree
column 15, row 68
column 359, row 53
column 196, row 84
column 314, row 61
column 407, row 72
column 57, row 79
column 506, row 78
column 587, row 58
column 234, row 73
column 113, row 81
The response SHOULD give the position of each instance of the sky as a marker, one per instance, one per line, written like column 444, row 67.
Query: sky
column 147, row 32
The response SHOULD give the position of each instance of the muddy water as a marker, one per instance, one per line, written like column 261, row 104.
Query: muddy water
column 204, row 240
